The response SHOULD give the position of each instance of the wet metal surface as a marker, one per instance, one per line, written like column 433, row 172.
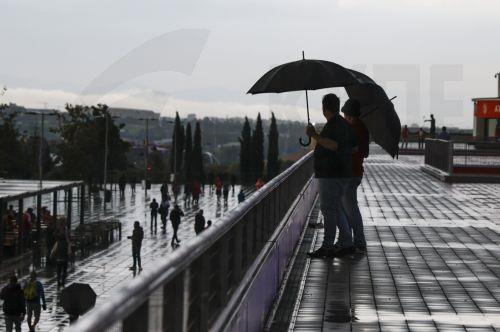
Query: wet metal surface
column 432, row 263
column 107, row 270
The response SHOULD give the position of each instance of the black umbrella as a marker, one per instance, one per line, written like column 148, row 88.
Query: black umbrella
column 304, row 75
column 77, row 299
column 377, row 112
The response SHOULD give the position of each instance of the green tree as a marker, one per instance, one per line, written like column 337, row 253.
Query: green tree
column 197, row 155
column 177, row 145
column 81, row 150
column 273, row 163
column 258, row 150
column 13, row 153
column 188, row 153
column 246, row 152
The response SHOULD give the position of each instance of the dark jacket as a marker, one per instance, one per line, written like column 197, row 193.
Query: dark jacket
column 13, row 300
column 175, row 216
column 137, row 236
column 154, row 207
column 61, row 253
column 363, row 148
column 335, row 164
column 199, row 223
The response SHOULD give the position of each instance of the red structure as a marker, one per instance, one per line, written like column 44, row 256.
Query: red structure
column 486, row 119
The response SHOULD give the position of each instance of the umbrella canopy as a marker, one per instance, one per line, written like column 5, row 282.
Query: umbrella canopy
column 77, row 298
column 302, row 75
column 377, row 112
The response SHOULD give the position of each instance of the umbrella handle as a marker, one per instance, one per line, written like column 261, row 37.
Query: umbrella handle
column 301, row 142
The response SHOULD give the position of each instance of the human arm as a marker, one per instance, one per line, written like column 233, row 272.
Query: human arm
column 41, row 293
column 325, row 142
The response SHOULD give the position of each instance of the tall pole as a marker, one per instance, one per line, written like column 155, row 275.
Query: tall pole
column 105, row 156
column 146, row 146
column 40, row 154
column 497, row 75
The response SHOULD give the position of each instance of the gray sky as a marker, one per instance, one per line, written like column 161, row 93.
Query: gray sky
column 433, row 54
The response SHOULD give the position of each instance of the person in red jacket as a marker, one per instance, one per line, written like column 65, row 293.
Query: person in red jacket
column 350, row 207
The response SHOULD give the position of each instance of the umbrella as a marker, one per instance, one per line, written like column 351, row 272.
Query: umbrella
column 77, row 298
column 377, row 112
column 304, row 75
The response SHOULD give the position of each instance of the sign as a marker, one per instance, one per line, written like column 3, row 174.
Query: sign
column 487, row 109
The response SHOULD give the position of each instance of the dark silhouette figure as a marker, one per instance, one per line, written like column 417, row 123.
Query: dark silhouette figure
column 163, row 211
column 199, row 222
column 241, row 196
column 133, row 181
column 136, row 237
column 405, row 133
column 154, row 214
column 225, row 192
column 421, row 138
column 432, row 132
column 13, row 304
column 175, row 218
column 60, row 253
column 33, row 294
column 196, row 191
column 233, row 181
column 187, row 194
column 122, row 182
column 444, row 135
column 164, row 191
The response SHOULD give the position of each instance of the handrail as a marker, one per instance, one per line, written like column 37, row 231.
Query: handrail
column 132, row 295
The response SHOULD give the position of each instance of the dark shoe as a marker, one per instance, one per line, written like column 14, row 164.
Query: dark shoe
column 361, row 250
column 341, row 252
column 132, row 268
column 321, row 253
column 140, row 268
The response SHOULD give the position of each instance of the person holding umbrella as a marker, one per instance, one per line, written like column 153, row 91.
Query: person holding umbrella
column 333, row 170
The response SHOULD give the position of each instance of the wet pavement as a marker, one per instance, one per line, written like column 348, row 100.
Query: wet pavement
column 107, row 270
column 432, row 263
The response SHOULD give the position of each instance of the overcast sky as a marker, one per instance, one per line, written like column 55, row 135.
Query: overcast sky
column 435, row 55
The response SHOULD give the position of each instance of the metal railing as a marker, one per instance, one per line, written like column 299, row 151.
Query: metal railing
column 439, row 154
column 188, row 291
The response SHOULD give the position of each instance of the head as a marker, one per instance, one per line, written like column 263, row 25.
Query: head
column 13, row 279
column 421, row 129
column 176, row 207
column 432, row 116
column 30, row 210
column 136, row 224
column 209, row 223
column 351, row 110
column 443, row 129
column 331, row 105
column 406, row 126
column 11, row 207
column 201, row 212
column 33, row 275
column 154, row 200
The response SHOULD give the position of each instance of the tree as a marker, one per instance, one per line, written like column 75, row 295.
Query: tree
column 197, row 155
column 188, row 153
column 81, row 150
column 273, row 164
column 177, row 145
column 258, row 150
column 246, row 152
column 13, row 153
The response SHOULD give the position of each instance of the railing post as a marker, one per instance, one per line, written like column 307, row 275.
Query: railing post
column 2, row 214
column 237, row 254
column 223, row 269
column 54, row 204
column 174, row 304
column 70, row 210
column 204, row 288
column 82, row 204
column 450, row 157
column 138, row 320
column 20, row 222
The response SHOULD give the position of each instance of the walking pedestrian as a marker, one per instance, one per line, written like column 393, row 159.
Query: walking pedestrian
column 218, row 189
column 444, row 135
column 187, row 194
column 199, row 222
column 122, row 182
column 175, row 218
column 233, row 182
column 432, row 131
column 350, row 206
column 33, row 294
column 196, row 191
column 332, row 169
column 136, row 237
column 154, row 214
column 133, row 181
column 164, row 191
column 163, row 211
column 60, row 254
column 405, row 133
column 175, row 190
column 241, row 196
column 225, row 192
column 14, row 307
column 421, row 138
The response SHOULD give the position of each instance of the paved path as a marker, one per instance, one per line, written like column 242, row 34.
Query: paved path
column 107, row 270
column 432, row 264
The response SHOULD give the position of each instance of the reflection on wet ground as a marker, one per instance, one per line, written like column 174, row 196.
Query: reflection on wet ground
column 107, row 270
column 432, row 264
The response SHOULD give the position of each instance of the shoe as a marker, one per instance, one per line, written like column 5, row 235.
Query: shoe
column 321, row 253
column 132, row 268
column 341, row 252
column 140, row 268
column 360, row 250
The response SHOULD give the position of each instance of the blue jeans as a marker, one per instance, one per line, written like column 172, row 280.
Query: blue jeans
column 351, row 211
column 331, row 191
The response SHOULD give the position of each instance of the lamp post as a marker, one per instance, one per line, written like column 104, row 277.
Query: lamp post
column 146, row 151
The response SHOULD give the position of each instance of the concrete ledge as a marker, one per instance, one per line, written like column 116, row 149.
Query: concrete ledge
column 460, row 178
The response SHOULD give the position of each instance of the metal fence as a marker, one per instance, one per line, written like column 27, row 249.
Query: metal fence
column 189, row 290
column 439, row 154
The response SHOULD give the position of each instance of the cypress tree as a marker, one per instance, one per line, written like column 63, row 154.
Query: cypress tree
column 197, row 155
column 273, row 165
column 258, row 150
column 245, row 152
column 177, row 145
column 188, row 152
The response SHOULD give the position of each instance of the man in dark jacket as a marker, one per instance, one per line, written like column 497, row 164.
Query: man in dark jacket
column 137, row 236
column 13, row 304
column 199, row 222
column 154, row 214
column 350, row 208
column 175, row 218
column 333, row 169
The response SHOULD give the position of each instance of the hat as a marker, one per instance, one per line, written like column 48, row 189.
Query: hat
column 352, row 108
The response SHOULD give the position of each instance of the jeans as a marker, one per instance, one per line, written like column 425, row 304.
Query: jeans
column 351, row 211
column 136, row 256
column 331, row 191
column 10, row 321
column 62, row 271
column 154, row 216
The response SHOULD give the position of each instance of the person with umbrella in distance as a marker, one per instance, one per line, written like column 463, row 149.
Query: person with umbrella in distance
column 350, row 208
column 136, row 237
column 333, row 170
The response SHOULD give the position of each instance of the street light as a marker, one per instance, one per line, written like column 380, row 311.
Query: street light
column 106, row 149
column 40, row 151
column 146, row 148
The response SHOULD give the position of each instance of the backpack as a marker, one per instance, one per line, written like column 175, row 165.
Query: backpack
column 31, row 291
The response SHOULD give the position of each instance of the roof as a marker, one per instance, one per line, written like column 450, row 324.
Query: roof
column 11, row 190
column 485, row 98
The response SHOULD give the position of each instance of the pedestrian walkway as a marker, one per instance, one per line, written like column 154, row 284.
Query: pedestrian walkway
column 106, row 271
column 432, row 263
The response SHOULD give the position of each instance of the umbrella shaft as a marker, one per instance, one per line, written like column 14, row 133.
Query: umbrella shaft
column 307, row 105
